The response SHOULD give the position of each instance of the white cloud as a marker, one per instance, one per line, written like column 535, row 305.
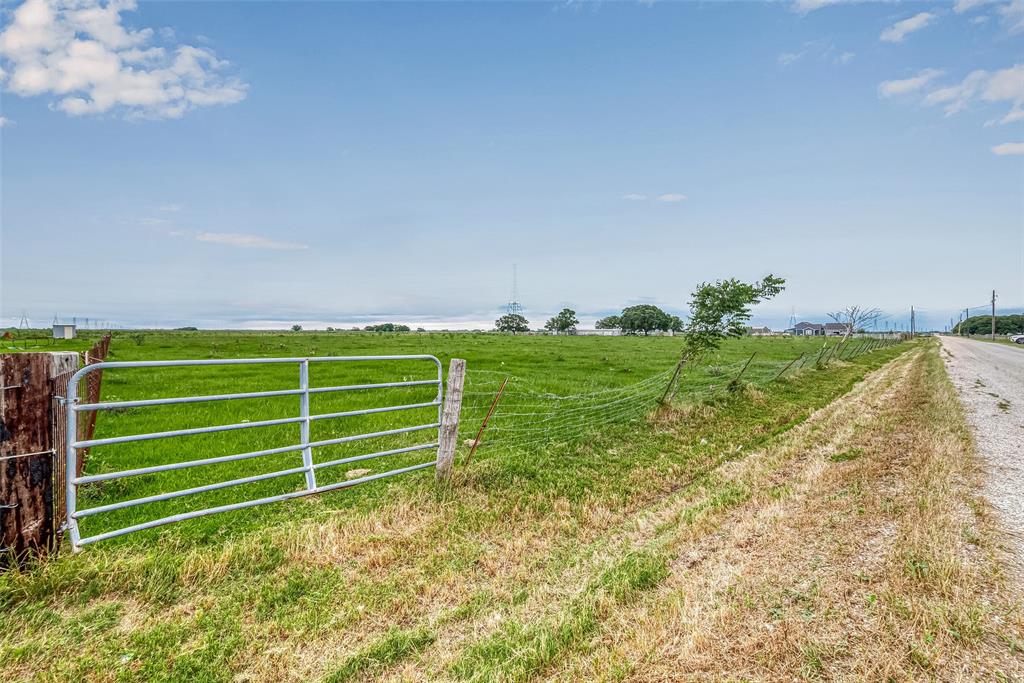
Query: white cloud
column 962, row 6
column 80, row 53
column 234, row 239
column 845, row 58
column 672, row 197
column 5, row 122
column 979, row 20
column 634, row 197
column 787, row 58
column 907, row 85
column 1013, row 16
column 1005, row 85
column 805, row 6
column 1008, row 148
column 169, row 208
column 1014, row 115
column 898, row 31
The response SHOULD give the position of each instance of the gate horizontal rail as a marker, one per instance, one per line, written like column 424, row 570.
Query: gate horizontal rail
column 305, row 445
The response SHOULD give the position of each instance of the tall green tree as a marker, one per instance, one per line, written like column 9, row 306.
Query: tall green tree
column 512, row 322
column 644, row 319
column 565, row 321
column 611, row 322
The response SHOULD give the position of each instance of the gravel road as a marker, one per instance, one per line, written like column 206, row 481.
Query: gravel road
column 990, row 380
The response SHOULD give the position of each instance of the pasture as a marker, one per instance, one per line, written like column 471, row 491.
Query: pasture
column 348, row 584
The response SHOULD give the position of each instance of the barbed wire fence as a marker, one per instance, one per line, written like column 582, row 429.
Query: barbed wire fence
column 527, row 418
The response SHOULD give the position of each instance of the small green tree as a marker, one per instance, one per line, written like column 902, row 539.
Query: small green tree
column 565, row 321
column 610, row 322
column 644, row 319
column 512, row 322
column 296, row 328
column 720, row 310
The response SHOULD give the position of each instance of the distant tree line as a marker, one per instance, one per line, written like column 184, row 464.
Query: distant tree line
column 382, row 327
column 982, row 324
column 719, row 310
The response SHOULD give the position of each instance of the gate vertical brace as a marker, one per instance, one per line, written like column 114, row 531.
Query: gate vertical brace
column 72, row 473
column 307, row 451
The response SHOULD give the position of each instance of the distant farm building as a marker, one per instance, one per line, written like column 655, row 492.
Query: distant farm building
column 835, row 329
column 64, row 331
column 760, row 331
column 805, row 329
column 610, row 332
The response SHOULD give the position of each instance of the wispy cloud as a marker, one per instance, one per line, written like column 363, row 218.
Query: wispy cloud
column 805, row 6
column 898, row 31
column 169, row 208
column 153, row 222
column 1005, row 85
column 1008, row 148
column 823, row 50
column 234, row 239
column 787, row 58
column 962, row 6
column 633, row 197
column 80, row 53
column 672, row 197
column 905, row 86
column 1013, row 16
column 5, row 122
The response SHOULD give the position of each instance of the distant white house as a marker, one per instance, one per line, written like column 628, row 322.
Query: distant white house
column 760, row 331
column 805, row 329
column 64, row 331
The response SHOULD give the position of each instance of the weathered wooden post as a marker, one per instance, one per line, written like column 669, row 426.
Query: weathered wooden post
column 450, row 419
column 27, row 520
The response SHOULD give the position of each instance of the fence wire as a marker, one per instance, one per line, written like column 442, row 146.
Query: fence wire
column 528, row 418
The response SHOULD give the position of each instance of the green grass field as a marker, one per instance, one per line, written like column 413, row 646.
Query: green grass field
column 574, row 431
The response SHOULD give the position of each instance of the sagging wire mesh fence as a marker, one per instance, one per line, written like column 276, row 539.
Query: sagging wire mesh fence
column 525, row 417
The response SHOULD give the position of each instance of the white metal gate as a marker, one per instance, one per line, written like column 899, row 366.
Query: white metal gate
column 305, row 445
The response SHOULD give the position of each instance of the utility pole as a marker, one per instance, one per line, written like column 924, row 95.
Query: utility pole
column 967, row 314
column 993, row 315
column 912, row 327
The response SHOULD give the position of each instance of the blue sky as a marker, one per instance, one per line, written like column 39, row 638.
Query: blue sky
column 254, row 164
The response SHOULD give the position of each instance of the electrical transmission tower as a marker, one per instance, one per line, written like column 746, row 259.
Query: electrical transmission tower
column 514, row 307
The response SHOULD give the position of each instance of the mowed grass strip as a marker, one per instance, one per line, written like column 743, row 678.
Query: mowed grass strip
column 518, row 651
column 301, row 590
column 882, row 566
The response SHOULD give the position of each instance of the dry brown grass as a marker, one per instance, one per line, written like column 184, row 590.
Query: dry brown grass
column 864, row 555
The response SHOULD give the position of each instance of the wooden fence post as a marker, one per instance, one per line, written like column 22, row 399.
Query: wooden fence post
column 450, row 419
column 27, row 523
